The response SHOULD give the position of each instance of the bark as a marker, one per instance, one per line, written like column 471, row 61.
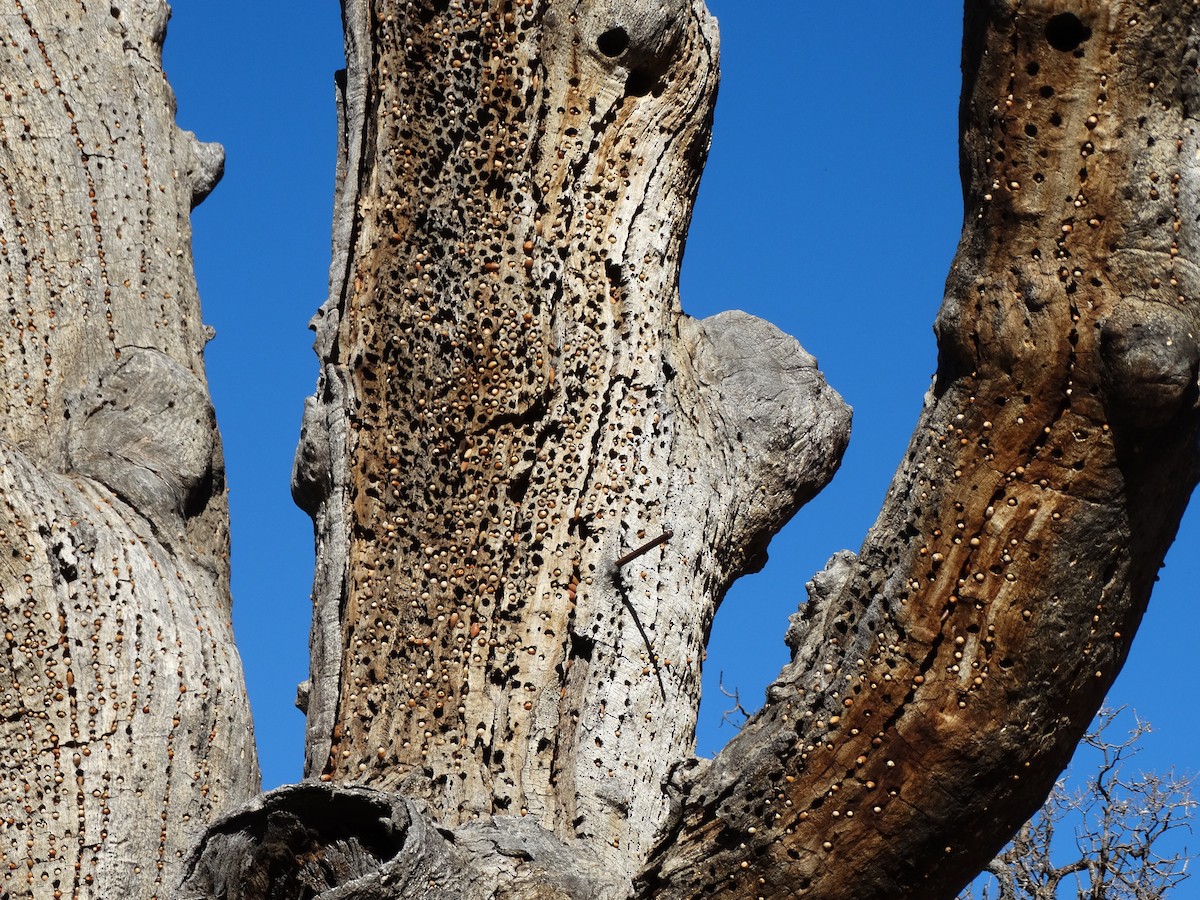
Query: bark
column 512, row 406
column 941, row 679
column 337, row 843
column 533, row 478
column 124, row 725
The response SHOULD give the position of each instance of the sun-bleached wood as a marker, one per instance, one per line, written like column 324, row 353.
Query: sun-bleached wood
column 511, row 402
column 503, row 561
column 124, row 725
column 533, row 478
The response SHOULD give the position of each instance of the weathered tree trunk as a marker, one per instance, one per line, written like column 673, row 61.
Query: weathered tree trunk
column 533, row 478
column 124, row 725
column 511, row 402
column 940, row 681
column 511, row 406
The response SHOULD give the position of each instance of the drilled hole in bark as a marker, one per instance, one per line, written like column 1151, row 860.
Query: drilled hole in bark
column 639, row 83
column 427, row 13
column 1065, row 32
column 613, row 42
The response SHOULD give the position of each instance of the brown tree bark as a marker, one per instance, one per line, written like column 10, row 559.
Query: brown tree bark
column 487, row 422
column 941, row 679
column 124, row 725
column 533, row 478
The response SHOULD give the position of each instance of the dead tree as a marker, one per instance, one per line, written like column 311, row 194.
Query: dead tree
column 124, row 725
column 533, row 478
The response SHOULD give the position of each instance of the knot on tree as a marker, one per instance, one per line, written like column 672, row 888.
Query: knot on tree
column 206, row 166
column 1150, row 356
column 776, row 424
column 146, row 430
column 311, row 468
column 634, row 40
column 297, row 842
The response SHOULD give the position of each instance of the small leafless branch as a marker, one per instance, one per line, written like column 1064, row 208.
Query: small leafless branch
column 1118, row 824
column 736, row 710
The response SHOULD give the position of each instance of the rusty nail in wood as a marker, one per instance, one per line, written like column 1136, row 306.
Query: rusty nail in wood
column 646, row 547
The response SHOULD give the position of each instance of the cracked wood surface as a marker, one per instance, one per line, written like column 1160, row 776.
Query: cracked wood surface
column 510, row 402
column 124, row 725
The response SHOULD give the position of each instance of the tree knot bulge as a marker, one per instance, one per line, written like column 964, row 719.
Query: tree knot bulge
column 206, row 166
column 311, row 468
column 146, row 430
column 1150, row 356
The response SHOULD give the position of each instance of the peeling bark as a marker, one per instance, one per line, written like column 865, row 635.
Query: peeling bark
column 123, row 720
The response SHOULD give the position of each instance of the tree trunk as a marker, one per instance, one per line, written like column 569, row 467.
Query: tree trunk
column 533, row 478
column 512, row 406
column 941, row 680
column 124, row 725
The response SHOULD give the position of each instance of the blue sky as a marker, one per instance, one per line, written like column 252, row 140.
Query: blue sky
column 830, row 206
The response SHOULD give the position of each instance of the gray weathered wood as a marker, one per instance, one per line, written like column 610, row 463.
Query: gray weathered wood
column 533, row 478
column 124, row 725
column 337, row 843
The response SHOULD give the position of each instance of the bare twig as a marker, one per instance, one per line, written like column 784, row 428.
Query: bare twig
column 1118, row 823
column 737, row 709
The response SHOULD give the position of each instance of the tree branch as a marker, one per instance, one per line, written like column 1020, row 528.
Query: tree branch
column 945, row 677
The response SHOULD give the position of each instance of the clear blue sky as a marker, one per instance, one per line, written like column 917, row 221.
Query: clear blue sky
column 830, row 206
